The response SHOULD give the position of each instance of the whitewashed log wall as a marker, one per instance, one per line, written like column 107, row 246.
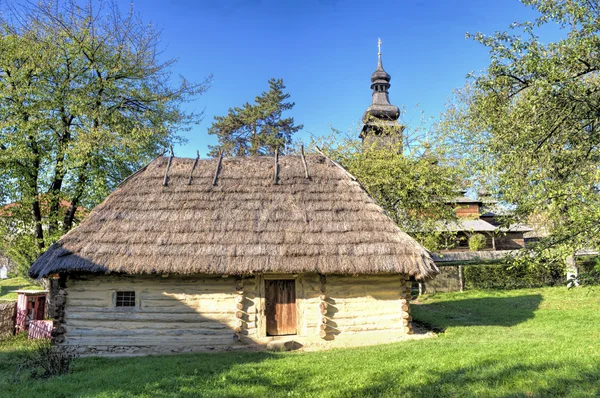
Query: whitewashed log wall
column 173, row 314
column 184, row 314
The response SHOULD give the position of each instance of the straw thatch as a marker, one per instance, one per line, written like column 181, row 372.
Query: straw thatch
column 244, row 224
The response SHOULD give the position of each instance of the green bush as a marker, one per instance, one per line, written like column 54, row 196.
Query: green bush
column 432, row 242
column 477, row 242
column 44, row 360
column 513, row 277
column 589, row 271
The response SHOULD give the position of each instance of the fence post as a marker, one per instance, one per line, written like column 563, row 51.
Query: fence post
column 572, row 271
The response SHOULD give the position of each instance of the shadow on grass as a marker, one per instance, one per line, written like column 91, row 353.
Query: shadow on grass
column 487, row 311
column 492, row 378
column 13, row 350
column 224, row 374
column 5, row 290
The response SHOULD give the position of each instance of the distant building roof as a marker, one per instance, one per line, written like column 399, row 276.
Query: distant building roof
column 5, row 210
column 463, row 199
column 466, row 225
column 516, row 228
column 31, row 292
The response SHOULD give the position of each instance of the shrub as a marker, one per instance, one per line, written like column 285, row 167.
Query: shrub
column 477, row 242
column 46, row 360
column 513, row 277
column 431, row 243
column 589, row 271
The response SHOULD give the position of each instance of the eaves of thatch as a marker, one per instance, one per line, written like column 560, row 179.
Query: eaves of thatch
column 244, row 224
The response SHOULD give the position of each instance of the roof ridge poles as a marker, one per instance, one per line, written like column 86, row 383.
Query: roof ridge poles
column 336, row 164
column 166, row 180
column 218, row 168
column 307, row 176
column 276, row 176
column 138, row 171
column 194, row 167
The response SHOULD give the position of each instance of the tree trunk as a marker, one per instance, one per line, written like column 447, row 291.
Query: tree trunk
column 33, row 186
column 70, row 214
column 59, row 174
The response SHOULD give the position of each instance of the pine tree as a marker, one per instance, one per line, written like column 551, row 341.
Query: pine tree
column 256, row 129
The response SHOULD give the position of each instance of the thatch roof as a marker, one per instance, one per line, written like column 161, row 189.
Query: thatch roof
column 245, row 224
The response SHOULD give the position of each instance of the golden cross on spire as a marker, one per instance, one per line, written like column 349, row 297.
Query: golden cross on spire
column 379, row 47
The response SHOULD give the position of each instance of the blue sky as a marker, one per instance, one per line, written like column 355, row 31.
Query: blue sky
column 325, row 51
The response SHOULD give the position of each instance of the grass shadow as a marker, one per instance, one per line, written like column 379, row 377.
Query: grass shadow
column 7, row 290
column 492, row 378
column 485, row 311
column 223, row 374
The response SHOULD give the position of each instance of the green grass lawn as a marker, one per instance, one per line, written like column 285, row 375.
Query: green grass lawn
column 10, row 284
column 520, row 343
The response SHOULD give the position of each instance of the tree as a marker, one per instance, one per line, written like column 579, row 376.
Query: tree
column 414, row 188
column 256, row 129
column 529, row 126
column 84, row 101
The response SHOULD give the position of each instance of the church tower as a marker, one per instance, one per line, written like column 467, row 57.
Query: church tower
column 381, row 127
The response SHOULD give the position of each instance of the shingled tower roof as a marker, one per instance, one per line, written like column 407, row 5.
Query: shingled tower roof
column 236, row 217
column 381, row 118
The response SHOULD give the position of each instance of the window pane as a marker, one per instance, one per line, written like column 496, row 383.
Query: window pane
column 125, row 299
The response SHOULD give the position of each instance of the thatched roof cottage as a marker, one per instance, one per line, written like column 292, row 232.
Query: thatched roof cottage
column 232, row 252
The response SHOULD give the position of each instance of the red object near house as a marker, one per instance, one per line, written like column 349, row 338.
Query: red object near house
column 40, row 329
column 31, row 310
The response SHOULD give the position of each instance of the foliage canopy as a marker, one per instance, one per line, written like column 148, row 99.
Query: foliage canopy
column 528, row 127
column 414, row 187
column 84, row 100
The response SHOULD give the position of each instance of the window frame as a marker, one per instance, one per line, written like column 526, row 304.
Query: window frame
column 136, row 299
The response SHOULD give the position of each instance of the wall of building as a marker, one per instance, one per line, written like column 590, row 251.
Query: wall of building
column 172, row 314
column 467, row 210
column 184, row 314
column 510, row 241
column 365, row 303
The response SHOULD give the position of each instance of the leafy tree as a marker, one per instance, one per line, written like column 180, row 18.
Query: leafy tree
column 477, row 242
column 84, row 101
column 256, row 129
column 413, row 187
column 529, row 128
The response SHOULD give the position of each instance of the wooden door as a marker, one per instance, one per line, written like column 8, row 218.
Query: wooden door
column 40, row 310
column 280, row 296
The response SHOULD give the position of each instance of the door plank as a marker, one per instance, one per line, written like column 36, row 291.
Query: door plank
column 281, row 307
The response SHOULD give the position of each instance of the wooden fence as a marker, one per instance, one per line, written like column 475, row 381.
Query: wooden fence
column 7, row 318
column 40, row 329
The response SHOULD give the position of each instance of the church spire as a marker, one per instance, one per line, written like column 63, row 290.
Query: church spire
column 381, row 118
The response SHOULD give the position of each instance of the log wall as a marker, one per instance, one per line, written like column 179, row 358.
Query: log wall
column 172, row 314
column 199, row 313
column 366, row 303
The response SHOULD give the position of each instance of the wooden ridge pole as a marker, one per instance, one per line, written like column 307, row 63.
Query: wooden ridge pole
column 140, row 170
column 336, row 164
column 276, row 176
column 304, row 162
column 218, row 168
column 166, row 180
column 194, row 167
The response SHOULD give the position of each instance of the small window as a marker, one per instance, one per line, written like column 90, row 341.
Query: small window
column 125, row 299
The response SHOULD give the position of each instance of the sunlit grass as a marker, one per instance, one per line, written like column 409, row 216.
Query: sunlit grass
column 7, row 286
column 530, row 343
